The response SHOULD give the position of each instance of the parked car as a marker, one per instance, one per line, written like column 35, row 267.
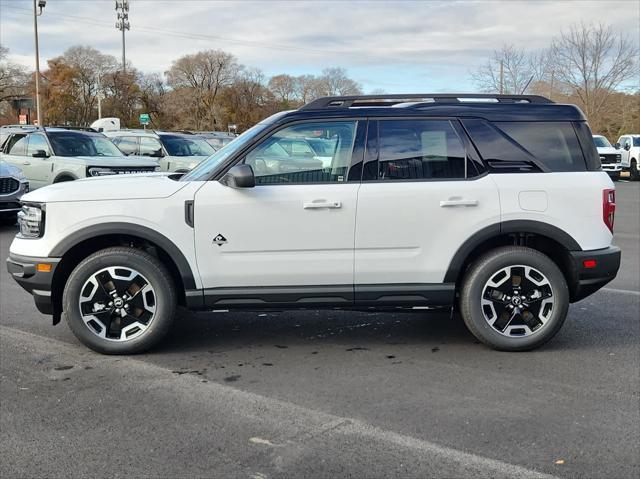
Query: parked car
column 630, row 150
column 13, row 184
column 178, row 152
column 7, row 130
column 444, row 201
column 54, row 155
column 610, row 157
column 217, row 139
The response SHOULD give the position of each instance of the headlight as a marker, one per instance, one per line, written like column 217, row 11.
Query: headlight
column 31, row 221
column 96, row 171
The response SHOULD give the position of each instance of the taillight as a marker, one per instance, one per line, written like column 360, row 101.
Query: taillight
column 609, row 207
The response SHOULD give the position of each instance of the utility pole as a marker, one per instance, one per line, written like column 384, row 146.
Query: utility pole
column 38, row 5
column 122, row 9
column 501, row 77
column 551, row 85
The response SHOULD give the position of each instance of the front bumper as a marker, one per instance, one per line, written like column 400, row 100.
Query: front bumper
column 10, row 203
column 588, row 280
column 612, row 167
column 39, row 283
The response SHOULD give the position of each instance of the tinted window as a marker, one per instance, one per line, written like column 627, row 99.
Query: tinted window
column 419, row 149
column 552, row 143
column 182, row 146
column 150, row 147
column 78, row 144
column 17, row 145
column 636, row 141
column 127, row 144
column 37, row 143
column 287, row 155
column 601, row 142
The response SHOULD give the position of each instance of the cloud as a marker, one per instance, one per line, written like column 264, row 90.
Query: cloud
column 399, row 46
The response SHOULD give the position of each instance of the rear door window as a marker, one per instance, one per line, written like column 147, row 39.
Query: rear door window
column 554, row 144
column 17, row 145
column 127, row 144
column 420, row 149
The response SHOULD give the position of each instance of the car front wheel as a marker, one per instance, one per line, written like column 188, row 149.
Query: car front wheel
column 514, row 298
column 120, row 301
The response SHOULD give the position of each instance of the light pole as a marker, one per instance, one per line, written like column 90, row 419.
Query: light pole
column 122, row 9
column 38, row 5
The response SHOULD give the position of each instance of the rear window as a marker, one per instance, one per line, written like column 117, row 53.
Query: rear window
column 554, row 144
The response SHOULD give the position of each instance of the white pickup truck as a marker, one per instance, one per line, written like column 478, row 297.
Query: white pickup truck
column 610, row 157
column 630, row 150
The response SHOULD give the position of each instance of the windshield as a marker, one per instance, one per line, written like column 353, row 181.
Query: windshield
column 78, row 144
column 601, row 142
column 181, row 146
column 204, row 169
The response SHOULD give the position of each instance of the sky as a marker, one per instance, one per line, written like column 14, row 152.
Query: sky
column 396, row 46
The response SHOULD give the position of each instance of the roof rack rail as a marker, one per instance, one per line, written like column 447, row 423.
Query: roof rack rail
column 33, row 127
column 389, row 100
column 79, row 128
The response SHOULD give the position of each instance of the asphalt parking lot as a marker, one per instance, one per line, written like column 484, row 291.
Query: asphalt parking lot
column 328, row 394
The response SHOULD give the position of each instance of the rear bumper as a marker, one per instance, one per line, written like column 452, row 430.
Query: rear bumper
column 589, row 280
column 38, row 283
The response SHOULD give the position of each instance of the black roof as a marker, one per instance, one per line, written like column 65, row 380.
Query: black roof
column 489, row 107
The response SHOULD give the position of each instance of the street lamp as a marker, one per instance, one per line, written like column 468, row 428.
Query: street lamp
column 38, row 5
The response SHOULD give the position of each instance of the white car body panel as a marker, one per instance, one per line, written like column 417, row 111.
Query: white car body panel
column 272, row 238
column 404, row 235
column 574, row 203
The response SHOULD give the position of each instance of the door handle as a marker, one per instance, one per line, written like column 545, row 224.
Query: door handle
column 26, row 162
column 321, row 204
column 458, row 202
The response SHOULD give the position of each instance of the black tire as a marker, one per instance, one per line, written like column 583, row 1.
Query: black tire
column 633, row 171
column 148, row 266
column 484, row 269
column 615, row 176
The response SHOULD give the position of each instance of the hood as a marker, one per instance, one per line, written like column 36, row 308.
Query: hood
column 131, row 161
column 608, row 150
column 9, row 170
column 108, row 188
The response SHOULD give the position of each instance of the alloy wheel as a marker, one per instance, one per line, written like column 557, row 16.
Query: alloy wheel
column 517, row 301
column 117, row 303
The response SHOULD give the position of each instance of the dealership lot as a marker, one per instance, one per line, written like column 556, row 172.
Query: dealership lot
column 329, row 393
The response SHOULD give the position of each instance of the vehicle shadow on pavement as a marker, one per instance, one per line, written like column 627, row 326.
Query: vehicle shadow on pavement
column 225, row 331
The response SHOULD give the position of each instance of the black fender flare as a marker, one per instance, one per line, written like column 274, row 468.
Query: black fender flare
column 117, row 228
column 506, row 227
column 64, row 174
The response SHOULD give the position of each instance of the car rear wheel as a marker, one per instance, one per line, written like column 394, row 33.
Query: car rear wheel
column 120, row 301
column 514, row 299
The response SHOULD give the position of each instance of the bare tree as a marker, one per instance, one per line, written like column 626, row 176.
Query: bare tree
column 307, row 88
column 593, row 61
column 334, row 81
column 516, row 66
column 13, row 77
column 205, row 74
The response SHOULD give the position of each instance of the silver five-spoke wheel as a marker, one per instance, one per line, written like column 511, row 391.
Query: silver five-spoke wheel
column 117, row 303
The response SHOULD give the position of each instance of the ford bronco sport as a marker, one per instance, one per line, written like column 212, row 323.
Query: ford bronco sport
column 496, row 205
column 57, row 154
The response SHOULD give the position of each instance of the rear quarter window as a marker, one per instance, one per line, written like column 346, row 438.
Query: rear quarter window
column 553, row 144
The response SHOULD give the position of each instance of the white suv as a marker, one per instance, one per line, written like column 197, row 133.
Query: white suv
column 630, row 151
column 54, row 155
column 497, row 206
column 177, row 152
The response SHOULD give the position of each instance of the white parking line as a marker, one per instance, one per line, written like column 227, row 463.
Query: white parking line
column 621, row 291
column 290, row 423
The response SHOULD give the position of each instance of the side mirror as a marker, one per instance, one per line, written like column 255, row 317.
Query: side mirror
column 240, row 176
column 40, row 154
column 627, row 146
column 157, row 154
column 617, row 146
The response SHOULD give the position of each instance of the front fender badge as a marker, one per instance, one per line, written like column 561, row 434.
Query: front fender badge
column 219, row 240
